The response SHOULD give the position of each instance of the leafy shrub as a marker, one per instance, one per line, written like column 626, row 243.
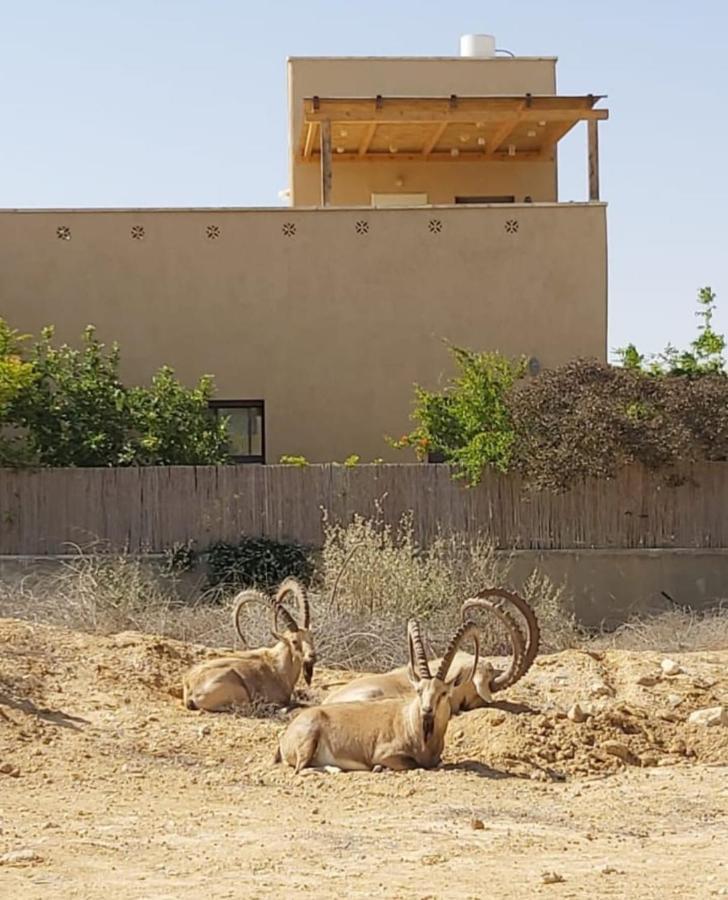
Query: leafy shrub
column 16, row 376
column 468, row 423
column 75, row 410
column 257, row 562
column 299, row 461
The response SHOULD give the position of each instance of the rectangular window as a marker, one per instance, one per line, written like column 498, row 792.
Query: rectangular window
column 490, row 199
column 246, row 428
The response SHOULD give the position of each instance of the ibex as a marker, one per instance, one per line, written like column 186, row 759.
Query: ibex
column 402, row 733
column 477, row 689
column 267, row 675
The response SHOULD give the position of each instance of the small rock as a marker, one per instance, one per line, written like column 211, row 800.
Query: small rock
column 648, row 680
column 670, row 668
column 477, row 824
column 552, row 878
column 674, row 700
column 649, row 759
column 203, row 730
column 713, row 715
column 621, row 751
column 9, row 769
column 580, row 712
column 19, row 858
column 600, row 689
column 609, row 870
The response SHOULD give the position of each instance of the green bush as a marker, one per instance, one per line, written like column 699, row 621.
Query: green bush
column 257, row 562
column 74, row 409
column 468, row 423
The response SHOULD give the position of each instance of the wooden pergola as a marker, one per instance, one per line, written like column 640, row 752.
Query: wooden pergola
column 509, row 129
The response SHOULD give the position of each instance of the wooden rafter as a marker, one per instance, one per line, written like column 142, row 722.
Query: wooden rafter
column 309, row 141
column 368, row 138
column 431, row 142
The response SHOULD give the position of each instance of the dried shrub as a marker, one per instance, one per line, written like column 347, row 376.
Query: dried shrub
column 587, row 419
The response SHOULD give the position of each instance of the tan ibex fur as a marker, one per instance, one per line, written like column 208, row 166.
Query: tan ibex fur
column 404, row 733
column 470, row 692
column 267, row 675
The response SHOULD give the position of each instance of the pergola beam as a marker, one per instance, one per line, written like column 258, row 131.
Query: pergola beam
column 593, row 141
column 467, row 111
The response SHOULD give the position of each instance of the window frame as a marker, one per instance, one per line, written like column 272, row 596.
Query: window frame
column 217, row 405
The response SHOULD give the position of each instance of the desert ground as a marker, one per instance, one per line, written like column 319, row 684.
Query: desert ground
column 109, row 788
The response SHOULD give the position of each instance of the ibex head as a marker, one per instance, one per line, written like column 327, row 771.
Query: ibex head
column 433, row 692
column 295, row 635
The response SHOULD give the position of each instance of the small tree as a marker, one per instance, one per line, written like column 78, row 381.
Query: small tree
column 468, row 422
column 173, row 424
column 75, row 410
column 706, row 354
column 16, row 376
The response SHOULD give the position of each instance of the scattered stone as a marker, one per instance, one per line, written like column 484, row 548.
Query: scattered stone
column 580, row 711
column 610, row 870
column 600, row 689
column 649, row 759
column 477, row 824
column 621, row 751
column 713, row 715
column 203, row 730
column 10, row 769
column 674, row 700
column 648, row 680
column 552, row 878
column 670, row 668
column 20, row 858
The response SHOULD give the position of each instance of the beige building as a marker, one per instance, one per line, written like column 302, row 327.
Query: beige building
column 424, row 208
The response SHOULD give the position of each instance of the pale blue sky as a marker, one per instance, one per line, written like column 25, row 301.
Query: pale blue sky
column 152, row 103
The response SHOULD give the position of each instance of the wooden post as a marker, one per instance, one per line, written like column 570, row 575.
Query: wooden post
column 325, row 162
column 593, row 132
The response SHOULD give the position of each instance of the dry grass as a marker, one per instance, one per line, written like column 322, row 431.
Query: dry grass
column 386, row 579
column 672, row 631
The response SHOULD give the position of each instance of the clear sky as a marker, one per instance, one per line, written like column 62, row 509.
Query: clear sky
column 181, row 103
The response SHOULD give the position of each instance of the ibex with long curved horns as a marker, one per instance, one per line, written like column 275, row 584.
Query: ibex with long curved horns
column 401, row 733
column 266, row 675
column 477, row 689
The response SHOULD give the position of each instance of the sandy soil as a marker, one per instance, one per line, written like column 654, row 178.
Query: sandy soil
column 110, row 788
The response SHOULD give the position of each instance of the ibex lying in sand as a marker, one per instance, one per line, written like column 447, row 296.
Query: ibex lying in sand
column 477, row 689
column 402, row 733
column 266, row 675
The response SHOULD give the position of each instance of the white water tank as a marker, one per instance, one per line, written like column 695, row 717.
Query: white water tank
column 481, row 46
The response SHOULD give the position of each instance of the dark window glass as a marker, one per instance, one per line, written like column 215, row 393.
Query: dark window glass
column 246, row 428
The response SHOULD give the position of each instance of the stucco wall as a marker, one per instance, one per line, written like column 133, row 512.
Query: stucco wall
column 354, row 182
column 330, row 327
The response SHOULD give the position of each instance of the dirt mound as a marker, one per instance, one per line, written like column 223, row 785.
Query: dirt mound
column 108, row 784
column 576, row 714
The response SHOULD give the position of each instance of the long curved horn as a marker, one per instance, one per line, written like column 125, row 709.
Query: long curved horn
column 343, row 566
column 524, row 649
column 242, row 600
column 290, row 624
column 293, row 586
column 418, row 656
column 466, row 630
